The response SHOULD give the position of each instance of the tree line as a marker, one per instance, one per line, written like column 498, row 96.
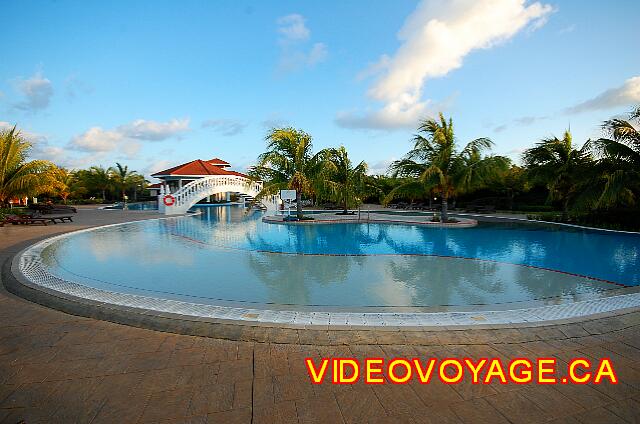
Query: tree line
column 20, row 178
column 599, row 180
column 289, row 163
column 600, row 176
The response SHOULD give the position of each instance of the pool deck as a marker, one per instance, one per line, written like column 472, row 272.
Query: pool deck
column 61, row 368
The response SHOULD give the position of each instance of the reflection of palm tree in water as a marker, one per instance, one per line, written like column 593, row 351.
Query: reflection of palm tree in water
column 290, row 276
column 437, row 281
column 229, row 231
column 541, row 284
column 333, row 239
column 484, row 242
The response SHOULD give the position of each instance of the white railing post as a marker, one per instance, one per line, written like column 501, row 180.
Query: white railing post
column 198, row 189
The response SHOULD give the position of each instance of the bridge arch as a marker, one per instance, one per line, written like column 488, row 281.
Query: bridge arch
column 196, row 190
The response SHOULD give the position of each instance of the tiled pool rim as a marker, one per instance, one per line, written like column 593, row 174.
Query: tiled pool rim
column 28, row 270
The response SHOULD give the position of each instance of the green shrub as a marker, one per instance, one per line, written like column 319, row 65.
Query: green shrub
column 12, row 211
column 533, row 208
column 86, row 202
column 546, row 216
column 612, row 219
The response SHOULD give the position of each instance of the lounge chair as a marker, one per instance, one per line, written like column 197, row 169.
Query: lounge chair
column 48, row 209
column 330, row 206
column 487, row 208
column 25, row 219
column 472, row 207
column 480, row 208
column 61, row 218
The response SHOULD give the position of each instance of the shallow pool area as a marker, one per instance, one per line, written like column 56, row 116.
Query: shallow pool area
column 134, row 206
column 224, row 256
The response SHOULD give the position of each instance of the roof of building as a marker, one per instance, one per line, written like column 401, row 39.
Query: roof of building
column 219, row 162
column 156, row 185
column 198, row 167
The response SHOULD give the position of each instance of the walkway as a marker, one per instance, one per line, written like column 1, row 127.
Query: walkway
column 370, row 217
column 59, row 368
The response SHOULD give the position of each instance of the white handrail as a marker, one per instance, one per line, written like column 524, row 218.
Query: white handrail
column 197, row 189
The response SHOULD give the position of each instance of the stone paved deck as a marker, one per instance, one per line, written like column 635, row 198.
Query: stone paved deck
column 60, row 368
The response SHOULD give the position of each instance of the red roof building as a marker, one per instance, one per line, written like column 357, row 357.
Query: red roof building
column 178, row 176
column 219, row 162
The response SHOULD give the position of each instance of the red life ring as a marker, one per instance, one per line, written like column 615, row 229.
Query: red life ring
column 168, row 200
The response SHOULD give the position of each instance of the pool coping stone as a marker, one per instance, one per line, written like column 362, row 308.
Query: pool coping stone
column 173, row 322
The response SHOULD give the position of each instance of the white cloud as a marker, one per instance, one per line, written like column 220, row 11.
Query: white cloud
column 74, row 86
column 528, row 120
column 153, row 130
column 158, row 165
column 43, row 149
column 567, row 29
column 61, row 157
column 500, row 128
column 125, row 138
column 295, row 53
column 317, row 54
column 522, row 121
column 292, row 28
column 380, row 167
column 28, row 135
column 435, row 39
column 274, row 120
column 37, row 92
column 130, row 149
column 96, row 139
column 624, row 95
column 225, row 127
column 516, row 151
column 374, row 69
column 393, row 115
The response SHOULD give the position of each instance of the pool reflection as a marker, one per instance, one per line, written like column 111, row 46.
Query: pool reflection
column 225, row 254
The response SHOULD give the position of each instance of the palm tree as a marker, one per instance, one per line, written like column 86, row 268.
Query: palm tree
column 434, row 166
column 345, row 182
column 561, row 167
column 619, row 160
column 123, row 178
column 101, row 179
column 138, row 183
column 19, row 178
column 288, row 163
column 511, row 182
column 62, row 185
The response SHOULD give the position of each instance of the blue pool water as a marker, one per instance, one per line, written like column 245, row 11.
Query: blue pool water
column 135, row 206
column 224, row 255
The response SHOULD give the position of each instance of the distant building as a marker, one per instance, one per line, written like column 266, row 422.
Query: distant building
column 177, row 177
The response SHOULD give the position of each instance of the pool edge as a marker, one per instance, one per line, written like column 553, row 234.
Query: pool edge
column 235, row 329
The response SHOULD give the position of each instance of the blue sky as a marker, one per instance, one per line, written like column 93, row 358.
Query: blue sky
column 154, row 84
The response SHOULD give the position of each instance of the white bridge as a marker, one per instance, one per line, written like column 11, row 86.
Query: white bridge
column 196, row 190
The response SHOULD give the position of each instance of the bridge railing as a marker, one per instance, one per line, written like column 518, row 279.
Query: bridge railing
column 197, row 189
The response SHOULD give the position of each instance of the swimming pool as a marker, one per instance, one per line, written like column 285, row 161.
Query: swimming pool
column 135, row 206
column 225, row 257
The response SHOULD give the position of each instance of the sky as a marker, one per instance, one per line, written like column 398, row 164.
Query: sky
column 152, row 84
